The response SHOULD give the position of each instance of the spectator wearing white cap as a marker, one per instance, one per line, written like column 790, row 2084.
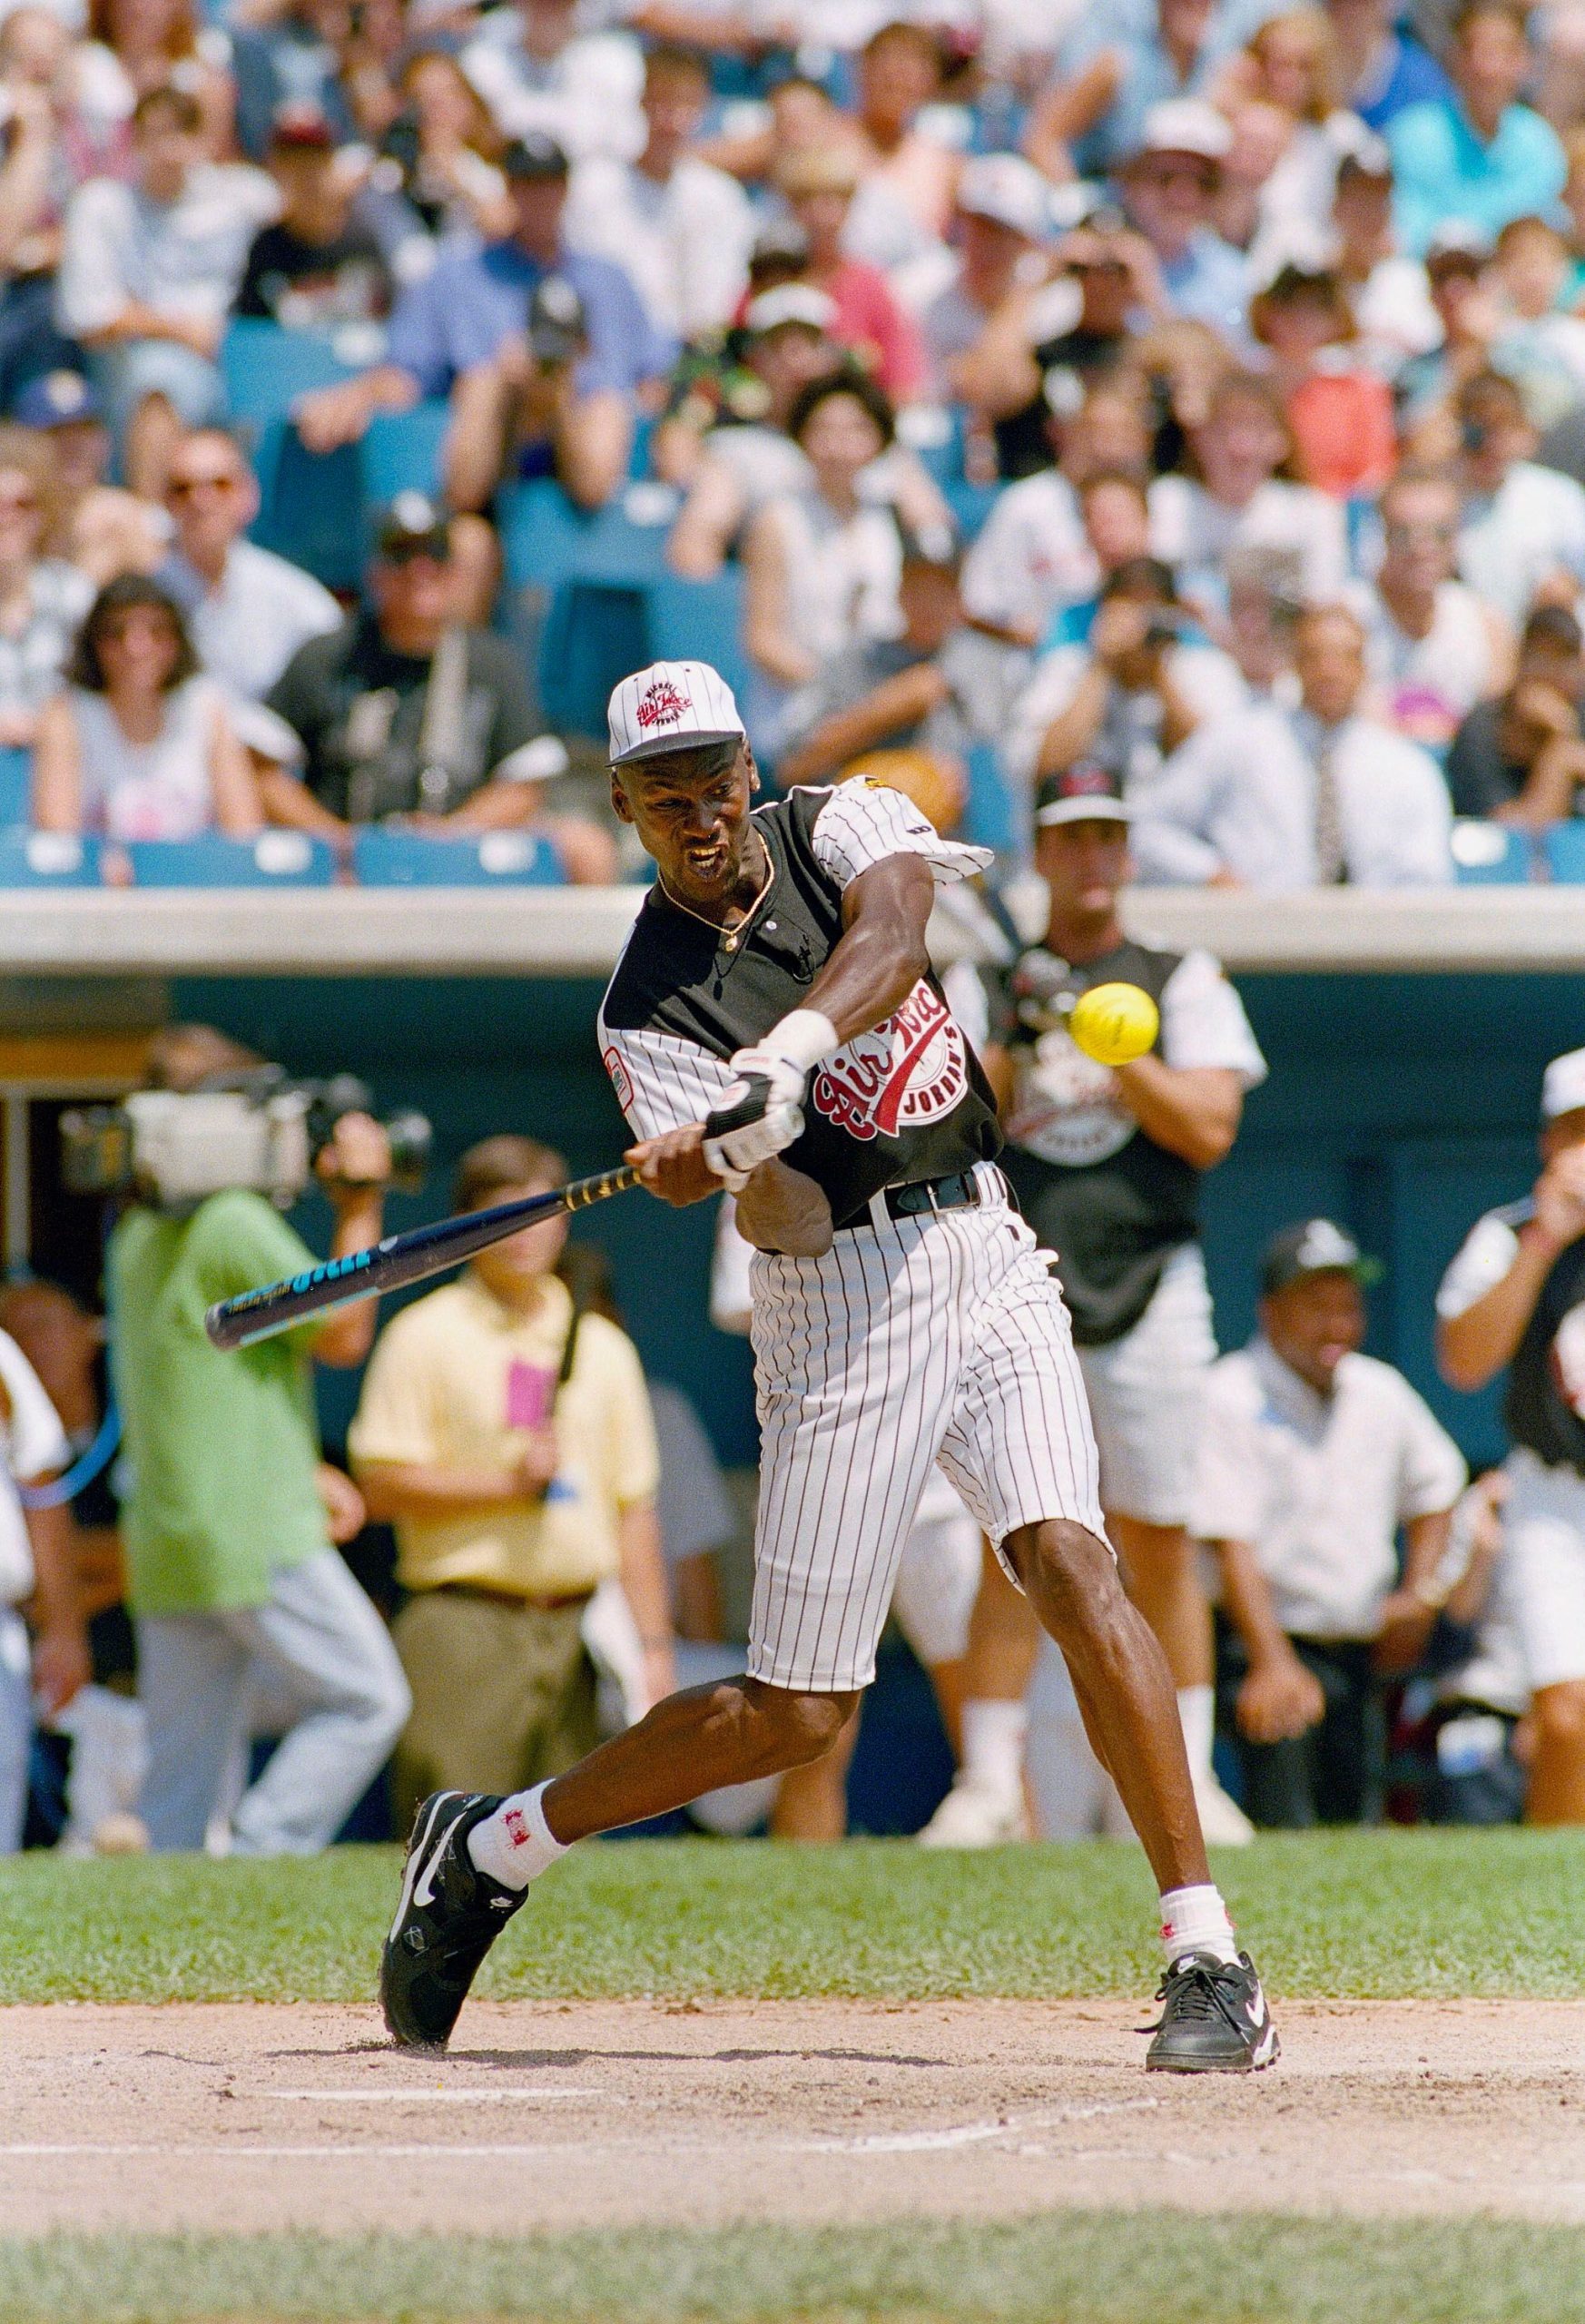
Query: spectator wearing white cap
column 680, row 228
column 1510, row 1301
column 1311, row 1458
column 1168, row 187
column 976, row 324
column 1319, row 796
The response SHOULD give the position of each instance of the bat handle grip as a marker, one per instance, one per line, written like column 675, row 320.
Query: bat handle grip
column 749, row 1108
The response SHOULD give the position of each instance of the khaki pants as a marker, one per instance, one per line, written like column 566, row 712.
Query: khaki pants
column 503, row 1696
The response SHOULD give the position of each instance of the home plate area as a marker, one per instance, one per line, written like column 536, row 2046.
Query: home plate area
column 547, row 2115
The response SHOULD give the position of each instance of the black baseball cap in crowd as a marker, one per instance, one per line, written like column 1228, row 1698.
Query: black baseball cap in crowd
column 1085, row 793
column 534, row 158
column 1314, row 1247
column 411, row 526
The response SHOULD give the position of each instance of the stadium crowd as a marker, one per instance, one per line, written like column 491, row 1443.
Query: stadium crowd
column 1163, row 423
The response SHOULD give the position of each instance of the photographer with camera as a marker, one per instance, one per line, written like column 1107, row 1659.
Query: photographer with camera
column 406, row 712
column 1142, row 681
column 231, row 1516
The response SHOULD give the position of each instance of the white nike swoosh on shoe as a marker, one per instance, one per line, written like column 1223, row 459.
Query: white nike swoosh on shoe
column 1254, row 2011
column 420, row 1865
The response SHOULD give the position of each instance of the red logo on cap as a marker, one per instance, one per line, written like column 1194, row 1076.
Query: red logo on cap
column 661, row 706
column 1086, row 780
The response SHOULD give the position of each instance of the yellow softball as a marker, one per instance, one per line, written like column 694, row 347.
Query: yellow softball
column 1114, row 1023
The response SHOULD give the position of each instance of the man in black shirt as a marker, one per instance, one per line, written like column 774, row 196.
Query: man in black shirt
column 315, row 266
column 1107, row 1163
column 773, row 1025
column 404, row 714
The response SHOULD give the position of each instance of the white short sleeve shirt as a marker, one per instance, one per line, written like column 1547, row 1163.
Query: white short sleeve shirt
column 31, row 1444
column 1318, row 1487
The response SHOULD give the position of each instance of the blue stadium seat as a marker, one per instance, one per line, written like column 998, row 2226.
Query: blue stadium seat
column 401, row 452
column 15, row 785
column 1493, row 855
column 1564, row 851
column 594, row 634
column 274, row 860
column 266, row 368
column 700, row 621
column 547, row 540
column 396, row 859
column 312, row 506
column 47, row 860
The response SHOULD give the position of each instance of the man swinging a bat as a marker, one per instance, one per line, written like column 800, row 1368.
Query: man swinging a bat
column 773, row 1026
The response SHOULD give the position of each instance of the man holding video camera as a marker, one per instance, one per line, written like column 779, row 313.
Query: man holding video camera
column 239, row 1599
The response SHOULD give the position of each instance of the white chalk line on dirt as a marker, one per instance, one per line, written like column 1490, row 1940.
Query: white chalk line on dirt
column 414, row 2094
column 967, row 2133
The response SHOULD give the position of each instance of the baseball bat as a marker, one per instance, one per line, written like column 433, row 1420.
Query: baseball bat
column 398, row 1259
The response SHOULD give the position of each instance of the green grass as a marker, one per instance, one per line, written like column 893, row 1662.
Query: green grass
column 1079, row 2268
column 1372, row 1915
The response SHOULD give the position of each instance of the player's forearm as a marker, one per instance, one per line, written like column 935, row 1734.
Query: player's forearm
column 882, row 955
column 395, row 1490
column 56, row 1603
column 1247, row 1602
column 1424, row 1551
column 1473, row 1347
column 781, row 1210
column 1194, row 1111
column 644, row 1574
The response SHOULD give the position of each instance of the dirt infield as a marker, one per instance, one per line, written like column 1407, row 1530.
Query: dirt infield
column 549, row 2115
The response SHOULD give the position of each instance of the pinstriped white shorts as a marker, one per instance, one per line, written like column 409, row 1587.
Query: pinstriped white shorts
column 941, row 1338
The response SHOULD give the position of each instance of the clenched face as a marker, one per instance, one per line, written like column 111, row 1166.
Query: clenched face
column 691, row 810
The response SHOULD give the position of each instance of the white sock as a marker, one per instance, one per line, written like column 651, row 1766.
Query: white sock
column 1195, row 1920
column 516, row 1843
column 993, row 1747
column 1196, row 1707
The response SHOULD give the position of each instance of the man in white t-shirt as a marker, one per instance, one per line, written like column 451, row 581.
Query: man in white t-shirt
column 1514, row 1299
column 1311, row 1458
column 36, row 1569
column 1522, row 526
column 680, row 228
column 247, row 610
column 149, row 272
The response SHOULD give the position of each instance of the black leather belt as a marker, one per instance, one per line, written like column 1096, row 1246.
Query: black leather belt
column 959, row 1192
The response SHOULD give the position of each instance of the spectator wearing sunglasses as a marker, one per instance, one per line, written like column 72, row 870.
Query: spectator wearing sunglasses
column 247, row 609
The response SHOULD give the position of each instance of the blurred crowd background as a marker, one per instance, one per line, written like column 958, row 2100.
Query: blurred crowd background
column 1178, row 407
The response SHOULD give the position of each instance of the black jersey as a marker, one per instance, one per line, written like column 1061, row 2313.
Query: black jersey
column 1110, row 1202
column 1548, row 1372
column 905, row 1101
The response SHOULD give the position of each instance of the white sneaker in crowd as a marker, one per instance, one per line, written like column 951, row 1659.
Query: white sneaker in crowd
column 972, row 1816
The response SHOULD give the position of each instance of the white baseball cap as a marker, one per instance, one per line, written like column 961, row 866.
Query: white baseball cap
column 1186, row 125
column 671, row 706
column 790, row 302
column 1011, row 190
column 1563, row 1085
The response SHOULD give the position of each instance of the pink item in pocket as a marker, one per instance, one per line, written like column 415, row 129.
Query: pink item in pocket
column 530, row 1393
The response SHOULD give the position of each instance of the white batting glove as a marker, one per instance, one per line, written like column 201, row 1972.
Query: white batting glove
column 783, row 1061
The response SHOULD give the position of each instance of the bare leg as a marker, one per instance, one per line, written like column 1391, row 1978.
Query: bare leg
column 947, row 1680
column 1123, row 1687
column 1004, row 1639
column 1557, row 1772
column 1164, row 1581
column 692, row 1743
column 813, row 1803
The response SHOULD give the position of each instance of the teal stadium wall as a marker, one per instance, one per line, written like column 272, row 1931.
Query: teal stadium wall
column 1402, row 1104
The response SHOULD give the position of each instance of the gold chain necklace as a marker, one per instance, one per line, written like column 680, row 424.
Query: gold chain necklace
column 729, row 941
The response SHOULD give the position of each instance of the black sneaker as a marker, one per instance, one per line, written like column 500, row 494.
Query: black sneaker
column 449, row 1916
column 1213, row 2019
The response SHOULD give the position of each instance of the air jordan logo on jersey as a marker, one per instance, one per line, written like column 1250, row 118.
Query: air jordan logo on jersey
column 906, row 1073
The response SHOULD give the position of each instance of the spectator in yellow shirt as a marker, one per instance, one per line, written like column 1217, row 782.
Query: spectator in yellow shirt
column 508, row 1440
